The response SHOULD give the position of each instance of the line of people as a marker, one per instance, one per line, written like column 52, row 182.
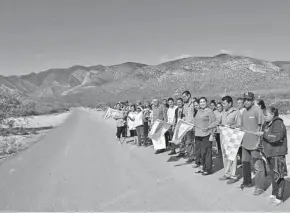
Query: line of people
column 264, row 144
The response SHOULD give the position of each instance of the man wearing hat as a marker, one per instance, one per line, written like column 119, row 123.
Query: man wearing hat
column 252, row 120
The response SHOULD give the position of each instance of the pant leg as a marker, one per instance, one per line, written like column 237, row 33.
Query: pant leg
column 170, row 136
column 246, row 161
column 202, row 153
column 218, row 142
column 123, row 131
column 231, row 169
column 198, row 141
column 118, row 134
column 138, row 135
column 189, row 144
column 207, row 155
column 259, row 169
column 142, row 134
column 166, row 138
column 277, row 186
column 146, row 129
column 182, row 147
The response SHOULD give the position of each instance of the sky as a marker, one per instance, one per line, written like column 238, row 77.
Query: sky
column 36, row 35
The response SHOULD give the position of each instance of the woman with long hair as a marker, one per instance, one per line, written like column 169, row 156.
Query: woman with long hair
column 261, row 104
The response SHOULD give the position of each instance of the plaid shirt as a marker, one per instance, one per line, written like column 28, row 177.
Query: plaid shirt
column 188, row 111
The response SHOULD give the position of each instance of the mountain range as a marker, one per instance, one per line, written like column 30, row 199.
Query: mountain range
column 200, row 75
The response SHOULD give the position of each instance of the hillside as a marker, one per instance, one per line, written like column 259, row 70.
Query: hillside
column 201, row 75
column 61, row 82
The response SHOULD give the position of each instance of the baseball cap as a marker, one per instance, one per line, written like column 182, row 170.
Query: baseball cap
column 249, row 95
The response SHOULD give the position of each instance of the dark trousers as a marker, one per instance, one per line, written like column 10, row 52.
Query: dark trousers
column 146, row 129
column 120, row 131
column 218, row 142
column 254, row 156
column 278, row 186
column 189, row 144
column 140, row 134
column 126, row 131
column 168, row 137
column 205, row 153
column 197, row 150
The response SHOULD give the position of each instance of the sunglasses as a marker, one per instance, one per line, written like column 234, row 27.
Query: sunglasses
column 248, row 99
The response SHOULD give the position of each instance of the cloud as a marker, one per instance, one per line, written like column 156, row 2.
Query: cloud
column 166, row 58
column 224, row 51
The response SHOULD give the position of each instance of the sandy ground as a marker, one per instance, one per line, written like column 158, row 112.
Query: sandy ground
column 79, row 166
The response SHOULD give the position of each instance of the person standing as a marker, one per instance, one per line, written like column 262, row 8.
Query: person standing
column 188, row 111
column 138, row 121
column 178, row 116
column 252, row 120
column 230, row 117
column 204, row 137
column 131, row 124
column 147, row 115
column 274, row 143
column 120, row 122
column 218, row 114
column 171, row 120
column 241, row 108
column 157, row 114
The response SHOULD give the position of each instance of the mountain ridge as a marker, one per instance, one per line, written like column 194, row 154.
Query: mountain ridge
column 129, row 80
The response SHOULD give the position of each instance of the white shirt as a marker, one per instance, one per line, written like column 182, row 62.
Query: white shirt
column 138, row 119
column 171, row 114
column 131, row 124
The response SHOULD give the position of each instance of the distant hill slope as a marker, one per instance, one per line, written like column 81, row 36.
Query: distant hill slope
column 200, row 75
column 59, row 82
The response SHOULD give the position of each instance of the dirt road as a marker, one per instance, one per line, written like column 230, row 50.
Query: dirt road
column 81, row 167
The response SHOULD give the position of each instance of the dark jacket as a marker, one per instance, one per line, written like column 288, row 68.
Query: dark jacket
column 274, row 140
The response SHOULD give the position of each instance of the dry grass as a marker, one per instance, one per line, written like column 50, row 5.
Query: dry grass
column 27, row 131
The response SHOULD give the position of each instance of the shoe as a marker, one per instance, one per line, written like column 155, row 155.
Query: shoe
column 232, row 180
column 224, row 178
column 272, row 197
column 206, row 173
column 258, row 191
column 243, row 185
column 159, row 151
column 180, row 155
column 173, row 152
column 195, row 166
column 200, row 170
column 276, row 202
column 189, row 161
